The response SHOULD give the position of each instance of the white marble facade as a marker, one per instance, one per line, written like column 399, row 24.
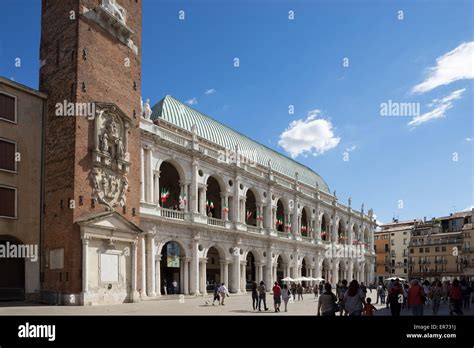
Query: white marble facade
column 317, row 251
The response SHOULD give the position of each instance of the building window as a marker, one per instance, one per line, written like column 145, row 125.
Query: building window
column 412, row 251
column 421, row 250
column 443, row 248
column 393, row 271
column 393, row 242
column 8, row 202
column 404, row 241
column 7, row 155
column 386, row 248
column 427, row 250
column 437, row 249
column 386, row 269
column 7, row 107
column 405, row 270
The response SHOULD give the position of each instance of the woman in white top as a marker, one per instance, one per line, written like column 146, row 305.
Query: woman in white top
column 285, row 295
column 223, row 292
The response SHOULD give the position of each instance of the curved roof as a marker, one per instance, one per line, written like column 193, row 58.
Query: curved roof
column 181, row 115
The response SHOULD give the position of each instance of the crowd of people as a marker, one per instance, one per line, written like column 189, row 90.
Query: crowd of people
column 350, row 299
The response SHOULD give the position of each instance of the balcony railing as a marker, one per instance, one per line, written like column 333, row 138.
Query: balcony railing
column 171, row 214
column 253, row 229
column 215, row 222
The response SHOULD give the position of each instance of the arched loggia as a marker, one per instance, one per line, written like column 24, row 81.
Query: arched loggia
column 250, row 208
column 169, row 188
column 213, row 198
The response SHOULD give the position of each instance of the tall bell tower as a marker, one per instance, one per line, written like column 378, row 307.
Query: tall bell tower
column 90, row 69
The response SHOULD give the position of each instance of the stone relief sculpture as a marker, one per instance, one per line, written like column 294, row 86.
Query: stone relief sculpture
column 115, row 10
column 108, row 177
column 147, row 110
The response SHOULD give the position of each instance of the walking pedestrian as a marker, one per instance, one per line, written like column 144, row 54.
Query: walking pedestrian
column 223, row 292
column 435, row 295
column 254, row 295
column 293, row 291
column 216, row 294
column 369, row 308
column 299, row 290
column 285, row 295
column 455, row 297
column 416, row 298
column 395, row 298
column 354, row 299
column 340, row 295
column 327, row 302
column 276, row 296
column 465, row 293
column 262, row 290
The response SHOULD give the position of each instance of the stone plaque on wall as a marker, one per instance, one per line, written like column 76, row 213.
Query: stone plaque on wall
column 56, row 258
column 109, row 268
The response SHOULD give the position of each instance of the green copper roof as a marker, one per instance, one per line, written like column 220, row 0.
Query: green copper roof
column 180, row 115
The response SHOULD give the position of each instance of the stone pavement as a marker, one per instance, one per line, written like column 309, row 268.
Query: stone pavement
column 174, row 305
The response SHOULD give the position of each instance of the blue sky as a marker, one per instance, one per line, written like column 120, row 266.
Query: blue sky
column 299, row 62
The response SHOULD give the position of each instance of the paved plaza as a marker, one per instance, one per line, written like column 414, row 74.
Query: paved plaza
column 175, row 305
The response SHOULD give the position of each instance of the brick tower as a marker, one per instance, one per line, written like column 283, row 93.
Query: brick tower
column 90, row 69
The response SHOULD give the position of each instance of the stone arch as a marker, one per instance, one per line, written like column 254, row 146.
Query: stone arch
column 355, row 233
column 342, row 237
column 305, row 221
column 215, row 189
column 172, row 253
column 252, row 198
column 325, row 226
column 169, row 190
column 281, row 211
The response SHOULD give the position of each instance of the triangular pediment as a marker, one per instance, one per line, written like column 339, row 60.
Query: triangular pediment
column 110, row 221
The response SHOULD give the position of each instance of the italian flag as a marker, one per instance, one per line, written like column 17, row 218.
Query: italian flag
column 226, row 209
column 164, row 195
column 182, row 201
column 249, row 214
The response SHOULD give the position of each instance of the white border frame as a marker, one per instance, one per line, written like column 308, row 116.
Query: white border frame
column 16, row 108
column 16, row 203
column 14, row 159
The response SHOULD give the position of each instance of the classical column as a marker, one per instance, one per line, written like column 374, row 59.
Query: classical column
column 294, row 224
column 260, row 272
column 156, row 187
column 226, row 273
column 193, row 192
column 186, row 262
column 224, row 205
column 149, row 175
column 142, row 175
column 184, row 194
column 134, row 293
column 259, row 215
column 243, row 280
column 275, row 275
column 236, row 202
column 158, row 274
column 235, row 285
column 143, row 264
column 335, row 272
column 202, row 273
column 150, row 265
column 194, row 271
column 299, row 223
column 85, row 264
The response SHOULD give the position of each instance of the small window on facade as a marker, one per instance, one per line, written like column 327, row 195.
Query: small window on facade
column 427, row 250
column 443, row 248
column 421, row 250
column 7, row 107
column 7, row 155
column 7, row 202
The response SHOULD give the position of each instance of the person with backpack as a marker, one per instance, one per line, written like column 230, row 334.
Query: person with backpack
column 254, row 295
column 327, row 305
column 341, row 291
column 354, row 299
column 262, row 294
column 299, row 291
column 455, row 297
column 416, row 298
column 395, row 298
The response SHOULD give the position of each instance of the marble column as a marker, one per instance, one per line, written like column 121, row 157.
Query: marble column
column 243, row 280
column 134, row 293
column 194, row 271
column 156, row 187
column 202, row 274
column 85, row 264
column 142, row 175
column 186, row 262
column 193, row 194
column 143, row 263
column 158, row 275
column 150, row 265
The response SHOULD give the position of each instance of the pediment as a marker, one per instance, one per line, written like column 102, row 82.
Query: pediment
column 109, row 221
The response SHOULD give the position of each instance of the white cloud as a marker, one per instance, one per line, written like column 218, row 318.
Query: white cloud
column 454, row 65
column 310, row 135
column 469, row 139
column 468, row 208
column 192, row 101
column 440, row 107
column 210, row 91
